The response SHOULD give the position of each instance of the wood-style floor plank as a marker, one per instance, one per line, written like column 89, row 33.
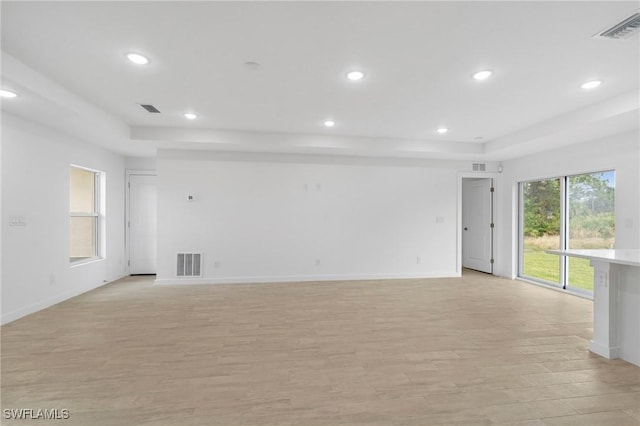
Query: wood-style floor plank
column 476, row 350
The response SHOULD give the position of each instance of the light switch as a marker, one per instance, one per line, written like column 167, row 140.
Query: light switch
column 17, row 221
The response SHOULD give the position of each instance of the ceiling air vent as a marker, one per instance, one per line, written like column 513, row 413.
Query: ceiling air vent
column 150, row 108
column 479, row 167
column 625, row 29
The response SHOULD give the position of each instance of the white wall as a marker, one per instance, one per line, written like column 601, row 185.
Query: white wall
column 141, row 163
column 35, row 185
column 620, row 153
column 282, row 218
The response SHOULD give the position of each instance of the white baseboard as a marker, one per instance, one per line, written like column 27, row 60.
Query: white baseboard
column 296, row 278
column 603, row 350
column 50, row 301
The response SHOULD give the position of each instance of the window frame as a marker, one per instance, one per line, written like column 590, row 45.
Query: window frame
column 564, row 233
column 521, row 274
column 97, row 213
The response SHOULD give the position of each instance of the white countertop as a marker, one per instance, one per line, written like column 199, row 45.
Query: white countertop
column 621, row 256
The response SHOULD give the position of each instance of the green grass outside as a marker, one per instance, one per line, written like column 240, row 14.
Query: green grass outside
column 541, row 265
column 544, row 266
column 580, row 273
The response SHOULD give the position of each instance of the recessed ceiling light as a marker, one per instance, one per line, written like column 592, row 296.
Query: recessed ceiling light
column 7, row 94
column 483, row 75
column 591, row 84
column 355, row 75
column 329, row 123
column 190, row 115
column 442, row 130
column 137, row 58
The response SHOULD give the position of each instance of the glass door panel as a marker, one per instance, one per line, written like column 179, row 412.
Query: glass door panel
column 591, row 222
column 541, row 224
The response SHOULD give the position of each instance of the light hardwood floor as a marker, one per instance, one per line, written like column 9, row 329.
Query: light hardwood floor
column 475, row 350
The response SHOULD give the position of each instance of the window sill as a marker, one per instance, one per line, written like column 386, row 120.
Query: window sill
column 75, row 263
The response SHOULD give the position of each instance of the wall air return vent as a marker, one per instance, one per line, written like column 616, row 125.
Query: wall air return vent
column 622, row 30
column 479, row 167
column 189, row 265
column 150, row 108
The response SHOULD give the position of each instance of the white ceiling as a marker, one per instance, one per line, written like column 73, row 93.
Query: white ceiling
column 418, row 58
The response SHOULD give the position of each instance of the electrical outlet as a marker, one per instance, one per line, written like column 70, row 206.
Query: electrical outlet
column 601, row 279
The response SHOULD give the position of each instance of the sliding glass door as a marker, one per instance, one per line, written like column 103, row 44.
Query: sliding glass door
column 591, row 222
column 574, row 212
column 540, row 230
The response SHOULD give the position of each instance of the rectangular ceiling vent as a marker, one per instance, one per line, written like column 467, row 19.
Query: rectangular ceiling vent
column 189, row 265
column 479, row 167
column 150, row 108
column 622, row 30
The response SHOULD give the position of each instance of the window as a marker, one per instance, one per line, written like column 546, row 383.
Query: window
column 571, row 212
column 541, row 229
column 591, row 222
column 84, row 214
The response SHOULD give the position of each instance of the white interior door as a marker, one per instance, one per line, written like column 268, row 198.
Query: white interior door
column 477, row 214
column 143, row 195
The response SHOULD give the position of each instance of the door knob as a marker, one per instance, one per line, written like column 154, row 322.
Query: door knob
column 465, row 228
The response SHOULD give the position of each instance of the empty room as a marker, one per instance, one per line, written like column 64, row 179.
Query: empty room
column 320, row 213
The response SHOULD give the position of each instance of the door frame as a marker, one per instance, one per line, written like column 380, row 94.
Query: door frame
column 488, row 184
column 127, row 217
column 497, row 230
